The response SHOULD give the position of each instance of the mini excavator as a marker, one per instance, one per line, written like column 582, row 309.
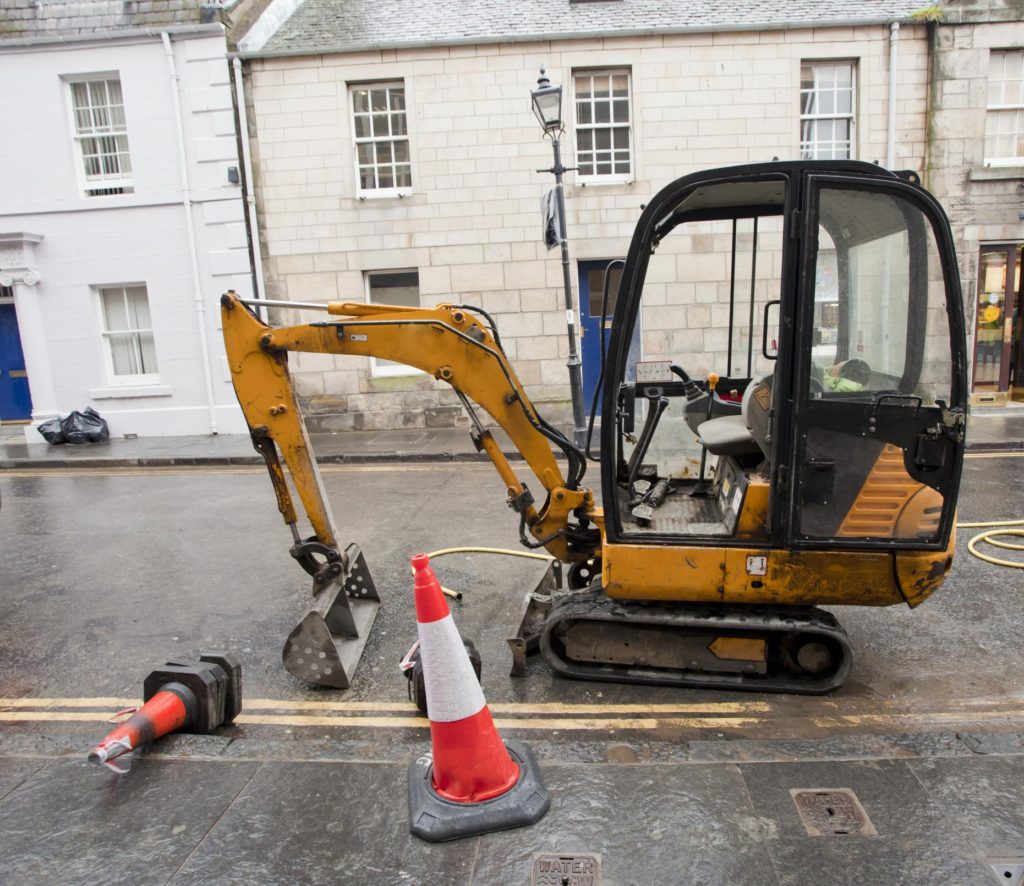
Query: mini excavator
column 830, row 438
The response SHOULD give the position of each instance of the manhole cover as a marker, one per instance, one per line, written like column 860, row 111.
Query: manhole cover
column 1009, row 870
column 828, row 812
column 566, row 870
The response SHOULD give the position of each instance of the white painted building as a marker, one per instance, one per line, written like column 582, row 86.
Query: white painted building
column 121, row 222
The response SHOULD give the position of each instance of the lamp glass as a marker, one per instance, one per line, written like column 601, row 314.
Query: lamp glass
column 547, row 105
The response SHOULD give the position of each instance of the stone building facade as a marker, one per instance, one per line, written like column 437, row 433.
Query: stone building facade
column 464, row 225
column 976, row 169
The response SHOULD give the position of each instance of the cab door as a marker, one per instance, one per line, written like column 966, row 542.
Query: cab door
column 880, row 382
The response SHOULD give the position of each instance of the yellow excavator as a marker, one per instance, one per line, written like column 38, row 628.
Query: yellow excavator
column 798, row 326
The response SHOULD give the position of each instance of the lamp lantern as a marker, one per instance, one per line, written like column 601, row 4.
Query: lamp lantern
column 547, row 104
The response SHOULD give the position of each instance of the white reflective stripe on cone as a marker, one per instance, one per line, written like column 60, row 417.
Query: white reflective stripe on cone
column 453, row 691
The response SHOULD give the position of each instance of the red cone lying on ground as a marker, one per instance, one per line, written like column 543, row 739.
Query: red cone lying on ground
column 198, row 696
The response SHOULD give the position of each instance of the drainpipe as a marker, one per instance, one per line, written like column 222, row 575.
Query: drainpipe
column 890, row 146
column 186, row 200
column 250, row 201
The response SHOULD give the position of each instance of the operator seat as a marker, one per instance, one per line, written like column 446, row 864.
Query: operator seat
column 746, row 433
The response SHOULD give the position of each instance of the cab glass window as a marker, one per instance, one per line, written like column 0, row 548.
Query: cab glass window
column 879, row 322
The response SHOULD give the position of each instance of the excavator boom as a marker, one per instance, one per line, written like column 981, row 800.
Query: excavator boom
column 454, row 344
column 447, row 342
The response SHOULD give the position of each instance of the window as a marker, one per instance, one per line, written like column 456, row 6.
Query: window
column 101, row 137
column 128, row 333
column 1004, row 117
column 392, row 288
column 381, row 135
column 826, row 111
column 604, row 141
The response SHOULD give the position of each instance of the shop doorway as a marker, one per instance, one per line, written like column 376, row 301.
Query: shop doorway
column 998, row 354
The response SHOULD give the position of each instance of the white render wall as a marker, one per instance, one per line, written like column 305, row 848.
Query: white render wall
column 126, row 239
column 471, row 226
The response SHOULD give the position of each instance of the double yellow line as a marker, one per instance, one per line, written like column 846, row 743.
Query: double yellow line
column 404, row 715
column 999, row 712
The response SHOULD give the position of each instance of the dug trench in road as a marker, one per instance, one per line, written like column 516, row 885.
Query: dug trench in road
column 109, row 571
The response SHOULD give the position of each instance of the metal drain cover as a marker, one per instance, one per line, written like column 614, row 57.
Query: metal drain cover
column 1009, row 870
column 828, row 812
column 566, row 870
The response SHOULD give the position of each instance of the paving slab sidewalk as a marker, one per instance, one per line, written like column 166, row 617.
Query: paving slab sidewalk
column 989, row 430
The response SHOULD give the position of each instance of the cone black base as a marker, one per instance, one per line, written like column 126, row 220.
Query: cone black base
column 435, row 819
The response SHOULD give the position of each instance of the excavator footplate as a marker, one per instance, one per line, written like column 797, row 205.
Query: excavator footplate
column 589, row 636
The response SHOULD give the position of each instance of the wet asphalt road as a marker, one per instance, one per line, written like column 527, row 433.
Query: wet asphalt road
column 107, row 573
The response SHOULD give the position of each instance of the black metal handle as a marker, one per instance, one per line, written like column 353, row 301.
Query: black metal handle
column 896, row 398
column 764, row 329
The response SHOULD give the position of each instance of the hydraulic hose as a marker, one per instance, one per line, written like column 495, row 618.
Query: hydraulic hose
column 457, row 595
column 998, row 528
column 473, row 550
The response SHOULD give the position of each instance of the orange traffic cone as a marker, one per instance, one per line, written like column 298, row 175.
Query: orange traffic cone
column 198, row 695
column 165, row 712
column 472, row 782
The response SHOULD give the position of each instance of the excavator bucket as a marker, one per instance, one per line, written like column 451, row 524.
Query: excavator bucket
column 325, row 647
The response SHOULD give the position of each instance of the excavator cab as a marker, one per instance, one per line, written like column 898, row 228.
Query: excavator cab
column 792, row 431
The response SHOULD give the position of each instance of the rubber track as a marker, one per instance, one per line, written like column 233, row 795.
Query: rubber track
column 771, row 622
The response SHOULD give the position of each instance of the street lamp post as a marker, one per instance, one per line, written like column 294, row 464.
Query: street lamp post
column 547, row 105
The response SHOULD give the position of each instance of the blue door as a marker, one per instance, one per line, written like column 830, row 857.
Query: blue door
column 592, row 276
column 15, row 401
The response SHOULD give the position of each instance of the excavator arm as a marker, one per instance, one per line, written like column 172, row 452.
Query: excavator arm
column 455, row 344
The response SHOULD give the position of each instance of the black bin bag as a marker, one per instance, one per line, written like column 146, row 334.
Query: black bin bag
column 51, row 431
column 85, row 427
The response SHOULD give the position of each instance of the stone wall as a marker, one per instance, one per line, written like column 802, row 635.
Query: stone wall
column 983, row 201
column 472, row 228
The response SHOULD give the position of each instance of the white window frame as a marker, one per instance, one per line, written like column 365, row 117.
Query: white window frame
column 1005, row 107
column 613, row 178
column 834, row 115
column 387, row 368
column 94, row 187
column 123, row 381
column 377, row 193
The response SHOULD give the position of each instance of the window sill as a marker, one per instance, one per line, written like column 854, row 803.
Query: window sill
column 125, row 392
column 601, row 182
column 996, row 173
column 128, row 191
column 403, row 372
column 389, row 194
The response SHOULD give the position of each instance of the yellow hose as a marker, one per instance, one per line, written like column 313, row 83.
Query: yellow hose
column 457, row 595
column 987, row 537
column 507, row 551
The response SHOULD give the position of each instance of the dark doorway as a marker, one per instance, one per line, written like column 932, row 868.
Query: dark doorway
column 15, row 400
